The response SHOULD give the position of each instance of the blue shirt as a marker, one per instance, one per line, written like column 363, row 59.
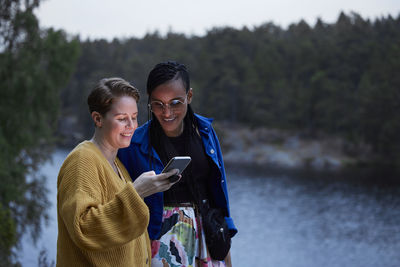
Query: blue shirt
column 136, row 160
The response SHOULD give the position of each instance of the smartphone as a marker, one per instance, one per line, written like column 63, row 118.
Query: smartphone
column 179, row 163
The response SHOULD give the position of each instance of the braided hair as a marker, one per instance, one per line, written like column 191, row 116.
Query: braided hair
column 165, row 72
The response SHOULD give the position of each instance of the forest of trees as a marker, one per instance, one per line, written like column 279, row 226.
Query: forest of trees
column 339, row 78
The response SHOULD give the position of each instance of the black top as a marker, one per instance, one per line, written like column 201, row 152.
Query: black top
column 195, row 177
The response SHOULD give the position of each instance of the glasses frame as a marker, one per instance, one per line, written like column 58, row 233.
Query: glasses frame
column 167, row 105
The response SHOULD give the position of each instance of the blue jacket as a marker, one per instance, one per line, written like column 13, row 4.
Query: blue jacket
column 136, row 160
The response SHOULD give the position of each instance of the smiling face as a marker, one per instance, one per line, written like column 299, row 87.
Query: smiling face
column 171, row 120
column 117, row 126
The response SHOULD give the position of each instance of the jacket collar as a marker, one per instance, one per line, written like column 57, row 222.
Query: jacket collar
column 204, row 123
column 141, row 135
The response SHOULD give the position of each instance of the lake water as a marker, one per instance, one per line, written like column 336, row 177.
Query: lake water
column 290, row 219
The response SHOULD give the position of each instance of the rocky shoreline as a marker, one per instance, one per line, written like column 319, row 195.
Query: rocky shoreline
column 287, row 149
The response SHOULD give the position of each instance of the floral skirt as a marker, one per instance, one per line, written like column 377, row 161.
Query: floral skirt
column 182, row 243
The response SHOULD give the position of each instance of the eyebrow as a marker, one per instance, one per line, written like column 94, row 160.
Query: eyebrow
column 117, row 114
column 175, row 98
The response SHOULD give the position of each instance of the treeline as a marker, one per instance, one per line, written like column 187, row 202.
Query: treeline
column 341, row 78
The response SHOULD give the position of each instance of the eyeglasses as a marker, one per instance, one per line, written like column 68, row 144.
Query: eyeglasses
column 174, row 105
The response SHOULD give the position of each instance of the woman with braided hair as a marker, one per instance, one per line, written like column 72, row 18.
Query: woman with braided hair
column 176, row 226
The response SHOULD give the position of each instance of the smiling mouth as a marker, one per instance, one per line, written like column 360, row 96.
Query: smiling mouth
column 126, row 134
column 168, row 120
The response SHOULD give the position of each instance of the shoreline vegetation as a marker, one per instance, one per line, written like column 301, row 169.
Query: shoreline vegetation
column 288, row 149
column 303, row 155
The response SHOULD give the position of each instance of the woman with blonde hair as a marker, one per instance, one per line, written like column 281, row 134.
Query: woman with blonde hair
column 102, row 218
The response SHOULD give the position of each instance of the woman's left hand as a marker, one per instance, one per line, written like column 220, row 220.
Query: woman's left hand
column 149, row 183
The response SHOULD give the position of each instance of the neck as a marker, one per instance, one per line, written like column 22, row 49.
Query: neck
column 176, row 133
column 109, row 152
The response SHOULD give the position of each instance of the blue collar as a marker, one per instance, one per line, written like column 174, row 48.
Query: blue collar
column 141, row 135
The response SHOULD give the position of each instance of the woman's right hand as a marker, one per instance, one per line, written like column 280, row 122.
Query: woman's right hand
column 149, row 183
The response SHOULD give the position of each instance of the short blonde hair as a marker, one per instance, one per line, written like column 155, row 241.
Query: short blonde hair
column 106, row 90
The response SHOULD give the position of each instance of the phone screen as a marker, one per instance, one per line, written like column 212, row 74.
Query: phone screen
column 179, row 163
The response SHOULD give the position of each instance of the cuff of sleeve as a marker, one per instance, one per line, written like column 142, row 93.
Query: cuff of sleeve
column 135, row 203
column 231, row 226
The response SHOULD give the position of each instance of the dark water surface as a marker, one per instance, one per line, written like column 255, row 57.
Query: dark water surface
column 308, row 219
column 290, row 219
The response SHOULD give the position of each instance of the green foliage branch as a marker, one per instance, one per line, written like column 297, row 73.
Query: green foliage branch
column 34, row 65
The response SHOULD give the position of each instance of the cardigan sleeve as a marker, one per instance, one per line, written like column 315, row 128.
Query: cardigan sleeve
column 94, row 222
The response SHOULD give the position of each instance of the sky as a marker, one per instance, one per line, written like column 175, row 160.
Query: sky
column 108, row 19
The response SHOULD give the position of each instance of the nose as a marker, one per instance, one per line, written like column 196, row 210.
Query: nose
column 129, row 123
column 167, row 110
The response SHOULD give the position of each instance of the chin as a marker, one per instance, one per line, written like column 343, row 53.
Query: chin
column 170, row 127
column 125, row 144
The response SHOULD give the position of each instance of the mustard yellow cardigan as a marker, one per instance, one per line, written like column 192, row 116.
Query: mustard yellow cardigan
column 102, row 221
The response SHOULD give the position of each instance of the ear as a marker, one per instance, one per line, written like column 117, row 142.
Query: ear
column 189, row 96
column 97, row 118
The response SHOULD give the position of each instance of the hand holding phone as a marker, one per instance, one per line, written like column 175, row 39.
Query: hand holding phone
column 179, row 163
